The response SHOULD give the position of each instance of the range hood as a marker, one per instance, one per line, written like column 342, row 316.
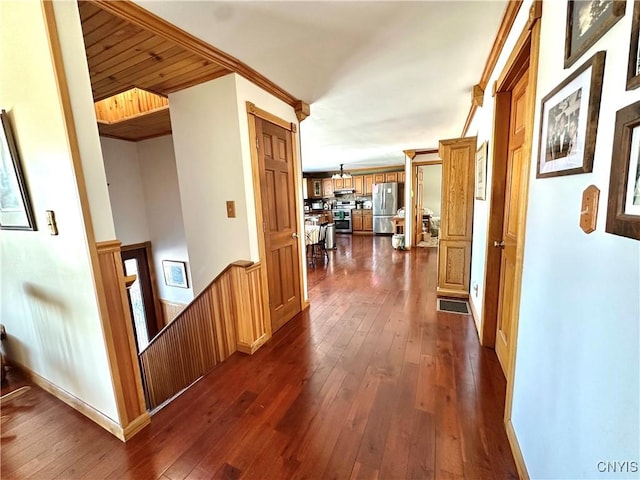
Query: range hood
column 344, row 191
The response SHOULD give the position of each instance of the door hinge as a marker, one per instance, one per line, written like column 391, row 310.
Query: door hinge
column 257, row 143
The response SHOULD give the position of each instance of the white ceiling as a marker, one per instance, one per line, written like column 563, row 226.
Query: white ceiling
column 381, row 77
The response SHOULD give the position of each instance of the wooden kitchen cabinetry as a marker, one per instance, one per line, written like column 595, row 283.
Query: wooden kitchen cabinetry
column 379, row 178
column 401, row 177
column 368, row 184
column 362, row 221
column 358, row 184
column 327, row 187
column 391, row 177
column 314, row 187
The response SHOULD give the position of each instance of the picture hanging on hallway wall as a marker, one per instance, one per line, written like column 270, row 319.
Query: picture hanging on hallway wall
column 623, row 211
column 569, row 122
column 587, row 22
column 175, row 273
column 481, row 172
column 633, row 69
column 15, row 207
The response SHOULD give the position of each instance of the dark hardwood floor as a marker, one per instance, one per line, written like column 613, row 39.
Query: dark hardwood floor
column 370, row 382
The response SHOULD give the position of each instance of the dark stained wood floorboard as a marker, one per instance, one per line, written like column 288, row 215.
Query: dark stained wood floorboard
column 369, row 382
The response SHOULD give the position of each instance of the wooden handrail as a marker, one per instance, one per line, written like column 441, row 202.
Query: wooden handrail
column 225, row 317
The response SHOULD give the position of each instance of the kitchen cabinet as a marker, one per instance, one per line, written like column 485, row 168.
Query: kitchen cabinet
column 367, row 220
column 358, row 184
column 327, row 187
column 378, row 178
column 314, row 188
column 368, row 184
column 362, row 221
column 401, row 177
column 391, row 177
column 356, row 220
column 341, row 183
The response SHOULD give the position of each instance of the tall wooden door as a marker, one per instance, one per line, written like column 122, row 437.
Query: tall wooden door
column 275, row 156
column 456, row 217
column 515, row 176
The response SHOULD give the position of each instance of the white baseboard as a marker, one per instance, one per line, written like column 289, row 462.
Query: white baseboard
column 515, row 450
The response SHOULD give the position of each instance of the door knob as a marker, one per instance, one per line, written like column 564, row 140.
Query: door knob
column 294, row 235
column 499, row 244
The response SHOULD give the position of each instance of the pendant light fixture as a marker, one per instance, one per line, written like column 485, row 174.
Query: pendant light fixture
column 342, row 173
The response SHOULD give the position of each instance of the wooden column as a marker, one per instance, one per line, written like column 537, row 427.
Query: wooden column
column 250, row 319
column 120, row 342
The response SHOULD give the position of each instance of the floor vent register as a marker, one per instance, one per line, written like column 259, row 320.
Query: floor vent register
column 453, row 306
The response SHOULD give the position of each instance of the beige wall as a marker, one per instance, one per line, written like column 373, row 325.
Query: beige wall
column 48, row 301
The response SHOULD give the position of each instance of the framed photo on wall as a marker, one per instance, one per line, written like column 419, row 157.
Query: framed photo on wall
column 175, row 273
column 15, row 207
column 623, row 210
column 569, row 122
column 633, row 69
column 587, row 21
column 481, row 172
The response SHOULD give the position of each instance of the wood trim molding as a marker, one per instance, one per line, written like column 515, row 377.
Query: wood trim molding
column 410, row 153
column 297, row 175
column 170, row 310
column 303, row 110
column 129, row 398
column 477, row 95
column 270, row 117
column 516, row 451
column 119, row 336
column 84, row 408
column 257, row 199
column 145, row 19
column 427, row 162
column 509, row 17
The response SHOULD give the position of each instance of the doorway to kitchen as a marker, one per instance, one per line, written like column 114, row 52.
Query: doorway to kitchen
column 427, row 203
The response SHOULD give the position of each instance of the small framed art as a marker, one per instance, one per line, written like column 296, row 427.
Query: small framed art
column 175, row 273
column 15, row 207
column 633, row 68
column 587, row 21
column 623, row 210
column 569, row 122
column 481, row 172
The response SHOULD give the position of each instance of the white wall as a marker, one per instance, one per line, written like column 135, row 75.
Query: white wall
column 125, row 190
column 576, row 391
column 145, row 199
column 77, row 73
column 48, row 301
column 211, row 141
column 164, row 211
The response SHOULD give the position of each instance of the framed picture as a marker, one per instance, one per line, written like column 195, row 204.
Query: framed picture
column 633, row 69
column 587, row 21
column 569, row 122
column 623, row 211
column 175, row 273
column 481, row 172
column 15, row 207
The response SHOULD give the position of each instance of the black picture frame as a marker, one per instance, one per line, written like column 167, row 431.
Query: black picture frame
column 623, row 210
column 15, row 206
column 580, row 36
column 563, row 150
column 633, row 68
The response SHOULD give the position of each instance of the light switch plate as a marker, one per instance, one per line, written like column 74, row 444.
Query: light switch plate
column 231, row 209
column 589, row 210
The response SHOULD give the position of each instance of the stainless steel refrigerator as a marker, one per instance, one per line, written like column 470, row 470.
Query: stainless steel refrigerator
column 385, row 206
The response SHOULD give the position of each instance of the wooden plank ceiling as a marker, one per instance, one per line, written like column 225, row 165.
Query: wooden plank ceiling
column 122, row 56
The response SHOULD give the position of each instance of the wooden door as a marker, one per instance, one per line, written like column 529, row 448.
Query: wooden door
column 456, row 218
column 356, row 219
column 275, row 156
column 338, row 184
column 140, row 294
column 418, row 194
column 511, row 220
column 367, row 221
column 378, row 178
